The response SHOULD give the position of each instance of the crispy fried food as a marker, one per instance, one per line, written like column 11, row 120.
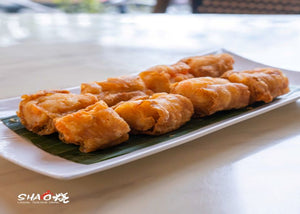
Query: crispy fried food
column 264, row 83
column 160, row 77
column 37, row 111
column 114, row 90
column 156, row 114
column 210, row 65
column 210, row 95
column 95, row 127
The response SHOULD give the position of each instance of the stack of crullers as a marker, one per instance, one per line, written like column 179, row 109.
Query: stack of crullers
column 154, row 102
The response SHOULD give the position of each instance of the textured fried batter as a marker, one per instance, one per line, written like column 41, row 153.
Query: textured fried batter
column 160, row 77
column 264, row 83
column 210, row 65
column 95, row 127
column 37, row 111
column 114, row 90
column 156, row 114
column 210, row 95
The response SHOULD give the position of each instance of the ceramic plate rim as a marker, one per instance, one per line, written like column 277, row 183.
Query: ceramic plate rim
column 12, row 145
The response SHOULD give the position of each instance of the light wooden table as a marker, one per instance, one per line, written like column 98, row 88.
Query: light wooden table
column 251, row 167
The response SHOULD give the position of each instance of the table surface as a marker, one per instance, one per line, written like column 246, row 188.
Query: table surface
column 251, row 167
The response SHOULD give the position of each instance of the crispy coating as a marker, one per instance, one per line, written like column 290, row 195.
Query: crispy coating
column 115, row 90
column 95, row 127
column 156, row 114
column 160, row 77
column 37, row 111
column 264, row 83
column 210, row 95
column 210, row 65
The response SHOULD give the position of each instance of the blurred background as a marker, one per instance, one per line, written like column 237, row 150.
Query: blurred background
column 152, row 6
column 73, row 37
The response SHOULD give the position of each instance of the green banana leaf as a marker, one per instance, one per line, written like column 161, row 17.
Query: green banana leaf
column 53, row 145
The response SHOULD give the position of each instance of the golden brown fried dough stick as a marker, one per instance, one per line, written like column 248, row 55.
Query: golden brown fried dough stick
column 210, row 95
column 114, row 90
column 156, row 114
column 95, row 127
column 160, row 77
column 37, row 111
column 210, row 65
column 264, row 83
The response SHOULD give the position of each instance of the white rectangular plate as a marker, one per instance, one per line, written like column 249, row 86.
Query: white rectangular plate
column 22, row 152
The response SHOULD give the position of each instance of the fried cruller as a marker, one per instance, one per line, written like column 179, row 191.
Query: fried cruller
column 37, row 112
column 264, row 83
column 156, row 114
column 115, row 90
column 213, row 65
column 95, row 127
column 159, row 78
column 210, row 95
